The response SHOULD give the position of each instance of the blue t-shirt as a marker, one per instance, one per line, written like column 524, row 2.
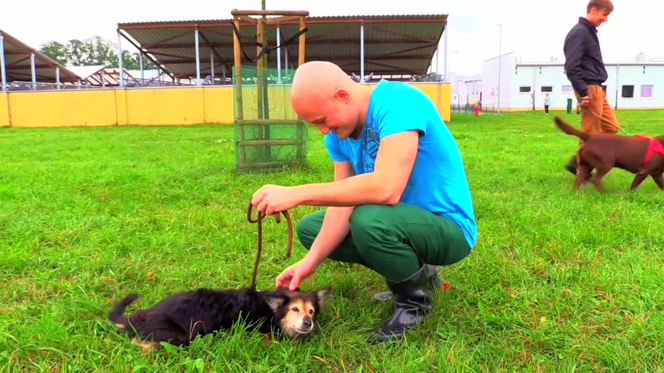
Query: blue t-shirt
column 438, row 181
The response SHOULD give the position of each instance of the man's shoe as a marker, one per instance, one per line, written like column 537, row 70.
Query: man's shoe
column 434, row 284
column 571, row 167
column 412, row 303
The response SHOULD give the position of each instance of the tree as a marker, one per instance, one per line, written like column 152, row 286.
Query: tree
column 56, row 51
column 92, row 51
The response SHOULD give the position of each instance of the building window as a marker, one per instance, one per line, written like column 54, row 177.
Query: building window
column 568, row 89
column 646, row 90
column 547, row 89
column 524, row 89
column 627, row 91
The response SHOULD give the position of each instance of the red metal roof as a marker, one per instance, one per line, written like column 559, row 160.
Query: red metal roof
column 394, row 44
column 18, row 65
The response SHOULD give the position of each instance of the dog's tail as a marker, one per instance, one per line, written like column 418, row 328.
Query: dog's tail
column 566, row 128
column 116, row 315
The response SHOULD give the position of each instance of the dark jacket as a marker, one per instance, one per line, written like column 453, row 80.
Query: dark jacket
column 583, row 57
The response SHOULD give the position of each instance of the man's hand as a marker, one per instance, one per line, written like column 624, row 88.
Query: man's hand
column 274, row 198
column 290, row 278
column 584, row 102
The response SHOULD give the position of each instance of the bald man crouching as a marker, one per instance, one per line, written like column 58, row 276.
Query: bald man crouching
column 399, row 203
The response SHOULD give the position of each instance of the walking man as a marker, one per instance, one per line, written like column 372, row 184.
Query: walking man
column 399, row 203
column 584, row 67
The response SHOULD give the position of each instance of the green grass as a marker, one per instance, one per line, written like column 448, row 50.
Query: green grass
column 558, row 280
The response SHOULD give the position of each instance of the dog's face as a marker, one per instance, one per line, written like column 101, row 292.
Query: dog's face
column 296, row 312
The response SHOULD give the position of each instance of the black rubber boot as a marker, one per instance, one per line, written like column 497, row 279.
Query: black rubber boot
column 571, row 165
column 434, row 284
column 412, row 303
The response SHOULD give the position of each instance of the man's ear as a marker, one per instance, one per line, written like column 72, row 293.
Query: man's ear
column 343, row 95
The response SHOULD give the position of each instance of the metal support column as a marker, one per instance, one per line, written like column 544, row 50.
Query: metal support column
column 447, row 78
column 140, row 61
column 3, row 72
column 278, row 55
column 212, row 64
column 198, row 58
column 33, row 69
column 362, row 52
column 120, row 68
column 57, row 76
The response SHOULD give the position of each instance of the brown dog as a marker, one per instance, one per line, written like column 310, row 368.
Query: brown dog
column 640, row 155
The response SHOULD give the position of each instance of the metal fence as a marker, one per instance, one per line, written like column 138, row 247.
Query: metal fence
column 18, row 86
column 470, row 108
column 269, row 136
column 30, row 86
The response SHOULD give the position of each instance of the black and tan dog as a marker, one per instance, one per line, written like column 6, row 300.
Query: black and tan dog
column 180, row 318
column 640, row 155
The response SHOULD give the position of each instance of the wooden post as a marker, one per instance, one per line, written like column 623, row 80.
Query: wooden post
column 259, row 70
column 239, row 113
column 238, row 71
column 300, row 55
column 265, row 87
column 300, row 127
column 263, row 132
column 262, row 124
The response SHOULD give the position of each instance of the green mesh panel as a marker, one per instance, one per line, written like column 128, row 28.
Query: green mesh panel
column 268, row 134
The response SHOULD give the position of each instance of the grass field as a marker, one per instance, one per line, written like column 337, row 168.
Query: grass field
column 558, row 279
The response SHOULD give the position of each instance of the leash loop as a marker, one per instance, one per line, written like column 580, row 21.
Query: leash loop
column 258, row 221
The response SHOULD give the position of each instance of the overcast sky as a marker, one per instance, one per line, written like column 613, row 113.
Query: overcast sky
column 473, row 30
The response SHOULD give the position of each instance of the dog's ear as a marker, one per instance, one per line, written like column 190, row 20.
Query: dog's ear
column 322, row 296
column 275, row 301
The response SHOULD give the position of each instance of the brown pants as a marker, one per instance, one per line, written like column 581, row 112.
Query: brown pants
column 598, row 116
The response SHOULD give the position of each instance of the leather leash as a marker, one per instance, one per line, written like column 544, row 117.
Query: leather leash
column 615, row 124
column 259, row 219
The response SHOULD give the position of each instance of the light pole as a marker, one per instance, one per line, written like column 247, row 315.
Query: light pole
column 449, row 74
column 450, row 63
column 500, row 58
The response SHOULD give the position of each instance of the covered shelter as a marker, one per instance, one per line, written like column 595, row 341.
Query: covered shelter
column 20, row 62
column 99, row 75
column 378, row 45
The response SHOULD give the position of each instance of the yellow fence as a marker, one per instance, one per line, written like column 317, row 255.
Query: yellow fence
column 4, row 109
column 150, row 106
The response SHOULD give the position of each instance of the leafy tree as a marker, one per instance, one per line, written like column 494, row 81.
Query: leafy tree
column 92, row 51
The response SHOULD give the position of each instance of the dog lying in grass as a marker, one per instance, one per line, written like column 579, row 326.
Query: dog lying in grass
column 180, row 318
column 640, row 155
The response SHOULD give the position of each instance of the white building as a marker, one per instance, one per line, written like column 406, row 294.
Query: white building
column 465, row 89
column 630, row 85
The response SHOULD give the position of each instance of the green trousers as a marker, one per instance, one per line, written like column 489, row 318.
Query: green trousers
column 394, row 241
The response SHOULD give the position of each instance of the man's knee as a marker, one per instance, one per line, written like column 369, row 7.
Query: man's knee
column 368, row 224
column 308, row 228
column 365, row 216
